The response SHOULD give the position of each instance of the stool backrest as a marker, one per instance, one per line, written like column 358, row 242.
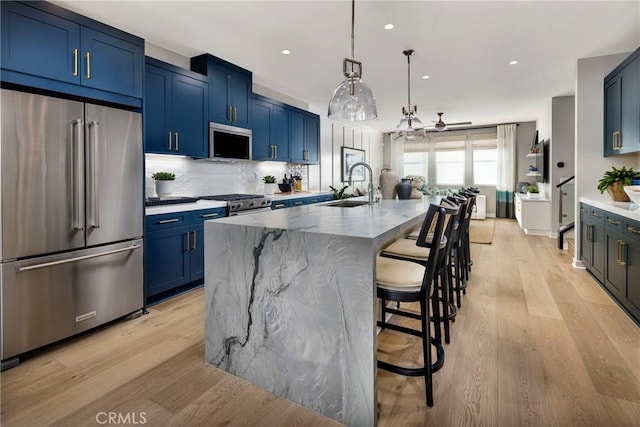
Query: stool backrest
column 430, row 236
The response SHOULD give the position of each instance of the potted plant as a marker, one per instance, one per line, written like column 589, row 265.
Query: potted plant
column 340, row 194
column 533, row 192
column 269, row 185
column 614, row 181
column 164, row 182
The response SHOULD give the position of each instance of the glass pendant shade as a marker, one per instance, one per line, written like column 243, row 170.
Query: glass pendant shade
column 352, row 100
column 410, row 127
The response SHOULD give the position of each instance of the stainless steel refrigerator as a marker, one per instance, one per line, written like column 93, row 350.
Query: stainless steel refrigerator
column 71, row 215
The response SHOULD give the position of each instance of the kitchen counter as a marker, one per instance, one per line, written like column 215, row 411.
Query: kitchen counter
column 297, row 195
column 291, row 305
column 182, row 207
column 625, row 209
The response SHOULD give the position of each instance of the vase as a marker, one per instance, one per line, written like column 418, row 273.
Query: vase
column 404, row 189
column 269, row 189
column 164, row 188
column 616, row 191
column 388, row 181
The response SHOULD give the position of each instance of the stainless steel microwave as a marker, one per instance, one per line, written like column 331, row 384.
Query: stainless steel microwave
column 229, row 142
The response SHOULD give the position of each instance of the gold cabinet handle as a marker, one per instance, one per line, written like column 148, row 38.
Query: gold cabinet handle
column 177, row 142
column 275, row 147
column 168, row 221
column 170, row 139
column 616, row 140
column 88, row 56
column 193, row 248
column 186, row 249
column 211, row 215
column 613, row 221
column 633, row 230
column 75, row 62
column 621, row 245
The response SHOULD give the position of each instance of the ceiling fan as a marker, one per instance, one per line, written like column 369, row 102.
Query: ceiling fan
column 440, row 125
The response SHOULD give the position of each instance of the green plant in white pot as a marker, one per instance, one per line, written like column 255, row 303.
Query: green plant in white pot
column 269, row 185
column 533, row 192
column 164, row 182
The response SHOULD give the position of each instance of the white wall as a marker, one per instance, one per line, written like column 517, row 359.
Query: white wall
column 590, row 164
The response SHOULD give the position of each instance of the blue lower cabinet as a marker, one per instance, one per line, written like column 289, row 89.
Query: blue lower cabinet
column 174, row 251
column 289, row 203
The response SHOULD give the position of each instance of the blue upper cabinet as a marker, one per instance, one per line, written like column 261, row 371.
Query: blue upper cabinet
column 48, row 47
column 270, row 128
column 175, row 110
column 110, row 63
column 304, row 137
column 622, row 108
column 229, row 90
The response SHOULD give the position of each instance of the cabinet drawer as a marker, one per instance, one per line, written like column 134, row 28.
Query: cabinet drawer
column 597, row 216
column 632, row 229
column 613, row 222
column 166, row 221
column 198, row 217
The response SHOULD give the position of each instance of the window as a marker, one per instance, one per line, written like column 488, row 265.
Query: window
column 485, row 159
column 416, row 164
column 450, row 160
column 450, row 167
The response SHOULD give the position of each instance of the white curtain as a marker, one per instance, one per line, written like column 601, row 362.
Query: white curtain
column 506, row 184
column 396, row 156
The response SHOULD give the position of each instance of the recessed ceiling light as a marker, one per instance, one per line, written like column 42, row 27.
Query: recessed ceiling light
column 286, row 52
column 388, row 27
column 425, row 77
column 513, row 62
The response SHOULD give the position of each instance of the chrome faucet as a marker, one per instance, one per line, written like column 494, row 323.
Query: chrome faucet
column 370, row 191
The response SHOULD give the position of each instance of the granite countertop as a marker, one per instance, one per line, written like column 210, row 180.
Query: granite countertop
column 624, row 209
column 181, row 207
column 378, row 221
column 524, row 198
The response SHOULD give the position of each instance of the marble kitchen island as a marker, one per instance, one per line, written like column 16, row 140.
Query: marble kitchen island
column 290, row 301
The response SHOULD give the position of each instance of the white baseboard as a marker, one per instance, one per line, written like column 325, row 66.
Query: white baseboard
column 578, row 264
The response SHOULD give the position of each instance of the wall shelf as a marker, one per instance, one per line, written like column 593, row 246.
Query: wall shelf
column 534, row 155
column 534, row 174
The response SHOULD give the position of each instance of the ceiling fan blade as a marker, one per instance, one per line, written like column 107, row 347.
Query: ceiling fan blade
column 458, row 124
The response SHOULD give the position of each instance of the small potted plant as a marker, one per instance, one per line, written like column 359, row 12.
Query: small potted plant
column 269, row 185
column 164, row 182
column 614, row 181
column 533, row 192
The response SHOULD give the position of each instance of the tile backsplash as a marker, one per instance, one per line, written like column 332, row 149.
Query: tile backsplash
column 203, row 177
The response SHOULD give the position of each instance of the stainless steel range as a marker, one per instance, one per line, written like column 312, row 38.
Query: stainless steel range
column 241, row 204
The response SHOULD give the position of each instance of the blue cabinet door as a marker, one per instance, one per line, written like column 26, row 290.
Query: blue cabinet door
column 239, row 92
column 219, row 111
column 261, row 147
column 197, row 239
column 630, row 108
column 296, row 136
column 280, row 133
column 189, row 115
column 38, row 43
column 167, row 260
column 312, row 139
column 157, row 111
column 611, row 116
column 111, row 64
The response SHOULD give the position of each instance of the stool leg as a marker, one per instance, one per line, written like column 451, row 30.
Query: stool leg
column 426, row 351
column 383, row 312
column 445, row 304
column 435, row 307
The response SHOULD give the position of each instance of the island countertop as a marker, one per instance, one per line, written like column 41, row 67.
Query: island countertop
column 375, row 221
column 290, row 301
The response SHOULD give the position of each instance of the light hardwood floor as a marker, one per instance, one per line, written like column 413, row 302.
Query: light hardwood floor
column 535, row 343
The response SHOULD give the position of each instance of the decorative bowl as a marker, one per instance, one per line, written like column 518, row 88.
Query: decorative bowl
column 285, row 188
column 633, row 191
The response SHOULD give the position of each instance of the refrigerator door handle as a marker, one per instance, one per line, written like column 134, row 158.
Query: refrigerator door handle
column 80, row 258
column 95, row 175
column 77, row 222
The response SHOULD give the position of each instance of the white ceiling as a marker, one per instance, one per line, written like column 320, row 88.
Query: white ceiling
column 464, row 47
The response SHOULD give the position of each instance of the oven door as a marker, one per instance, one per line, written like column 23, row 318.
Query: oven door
column 249, row 211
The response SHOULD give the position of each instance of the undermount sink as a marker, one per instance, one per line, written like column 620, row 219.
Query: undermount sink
column 348, row 203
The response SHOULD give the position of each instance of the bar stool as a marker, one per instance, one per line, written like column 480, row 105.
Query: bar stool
column 406, row 281
column 407, row 250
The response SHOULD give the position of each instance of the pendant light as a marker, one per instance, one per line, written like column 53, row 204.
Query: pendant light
column 352, row 99
column 410, row 127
